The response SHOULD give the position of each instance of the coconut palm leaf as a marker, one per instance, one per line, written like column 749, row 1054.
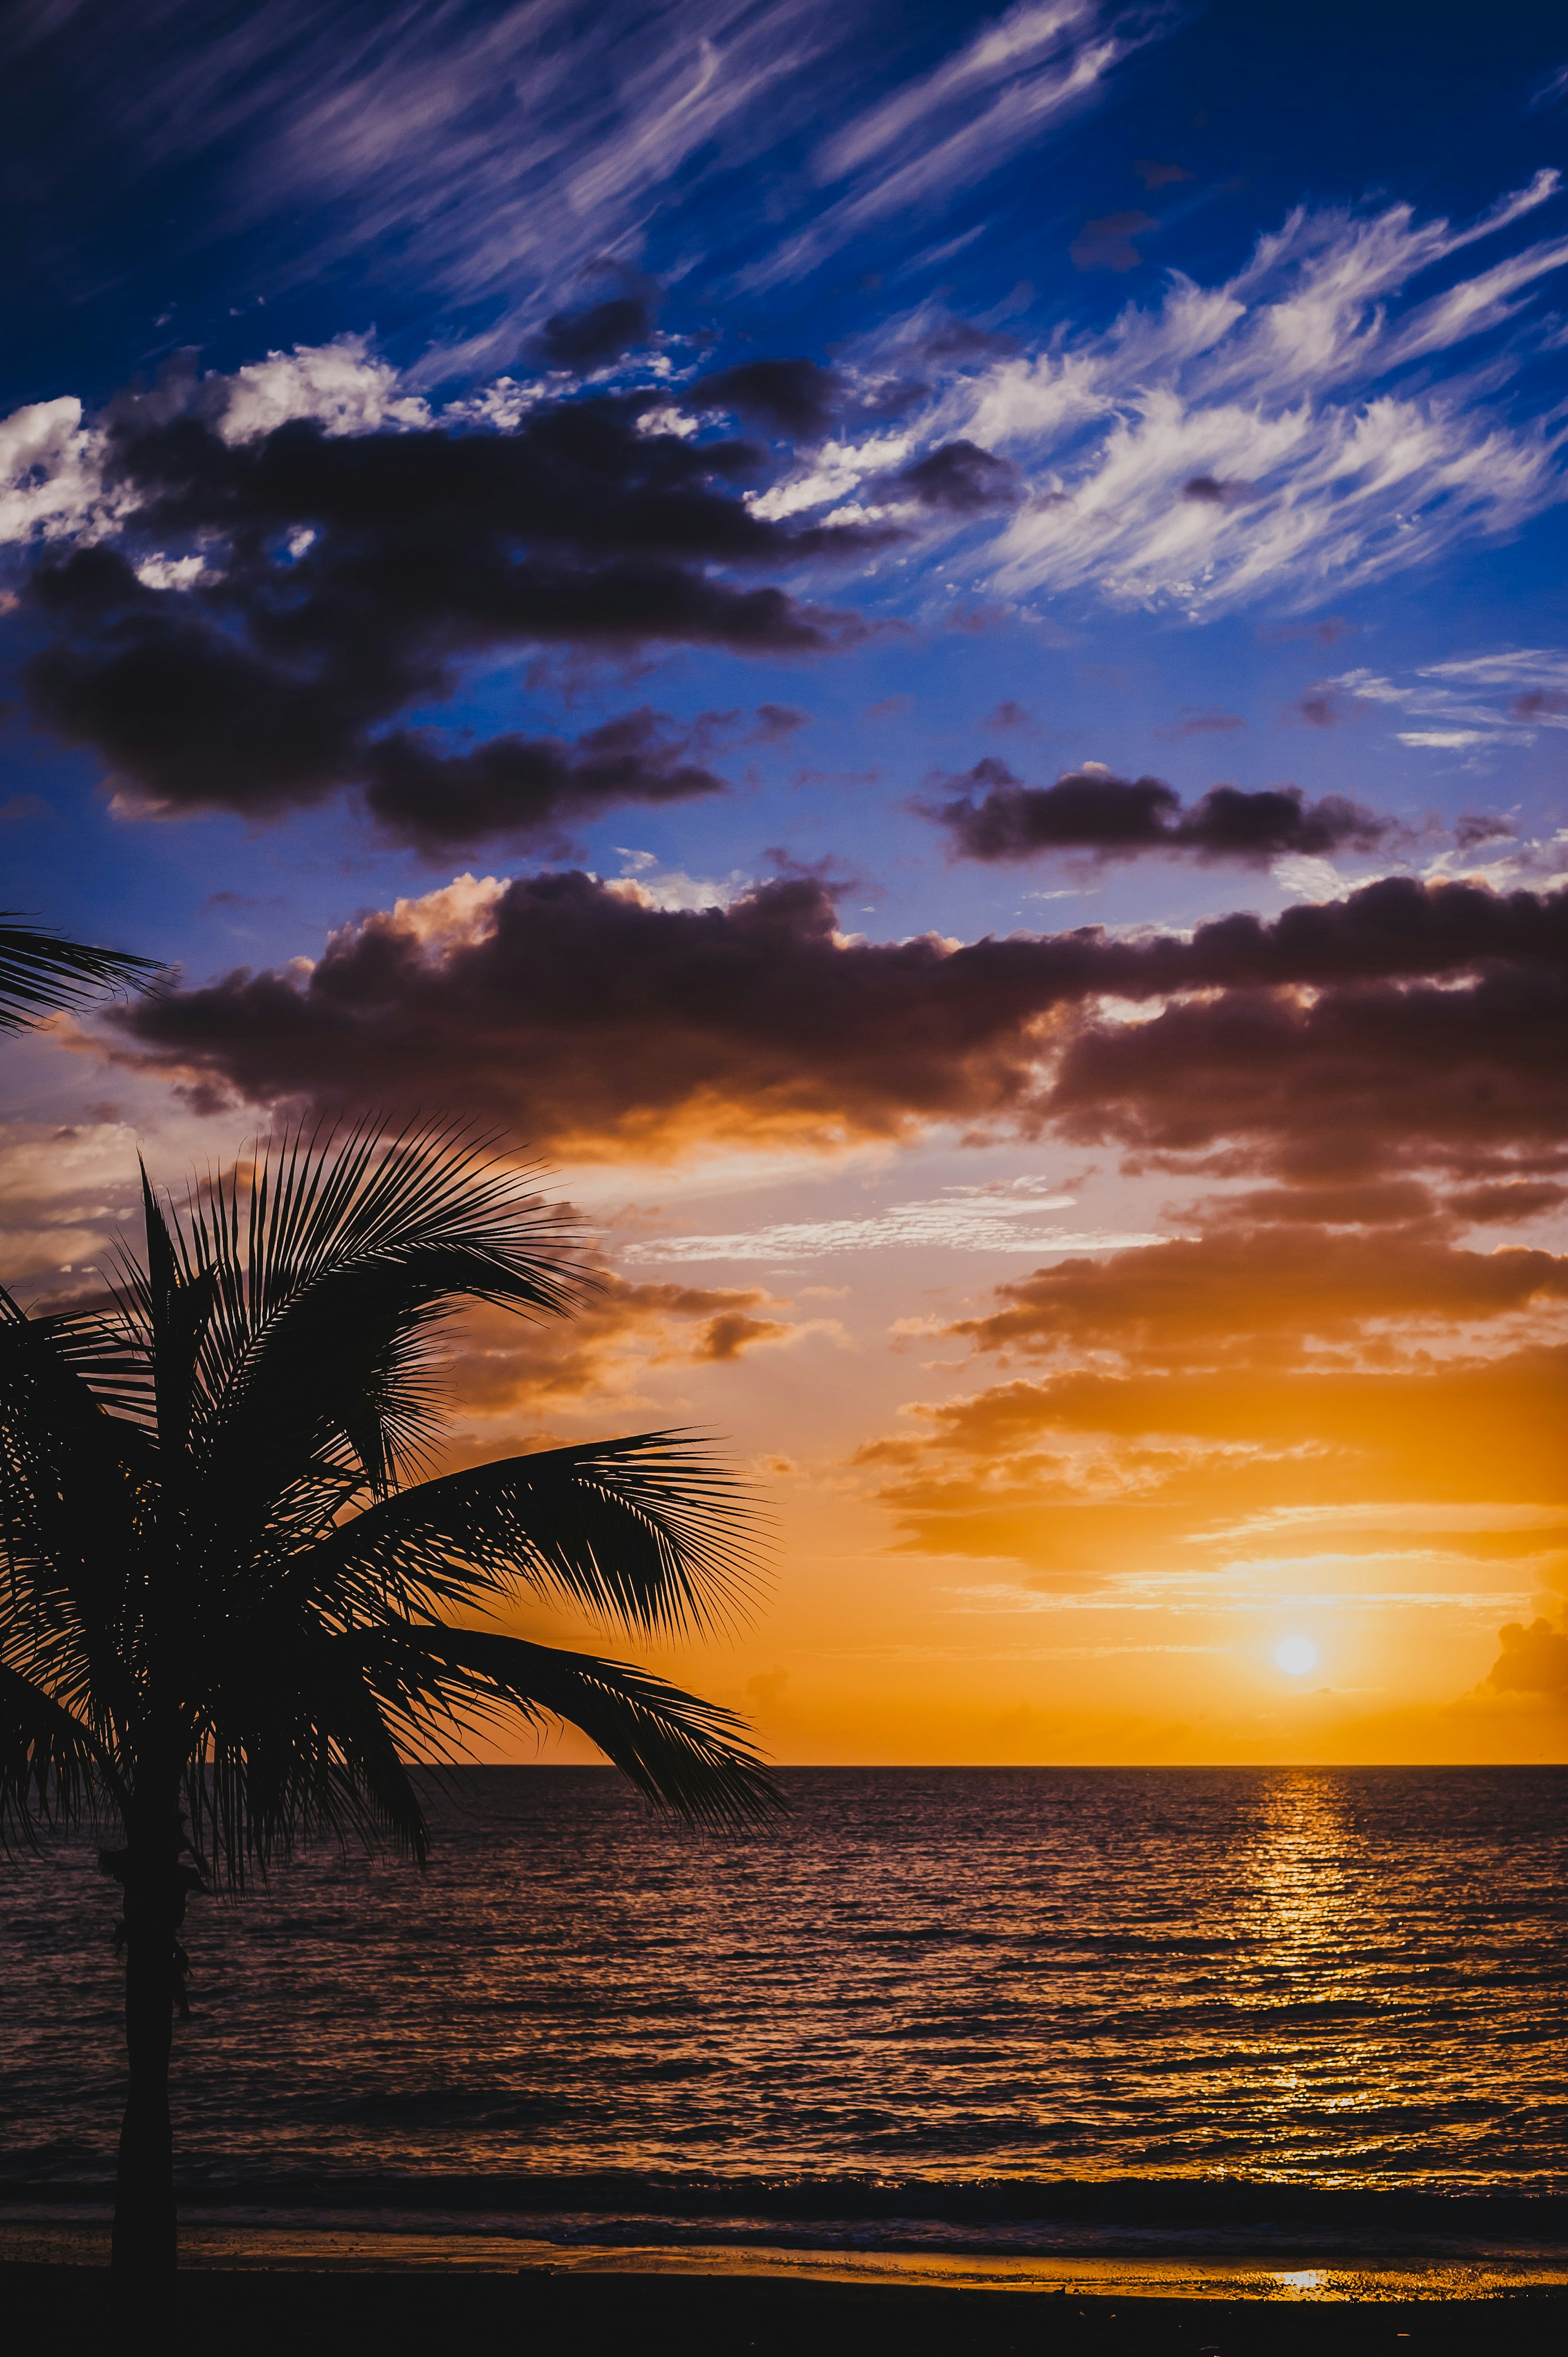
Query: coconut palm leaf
column 681, row 1752
column 41, row 972
column 334, row 1263
column 646, row 1531
column 53, row 1770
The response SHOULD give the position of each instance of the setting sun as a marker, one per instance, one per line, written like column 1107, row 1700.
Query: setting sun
column 1296, row 1656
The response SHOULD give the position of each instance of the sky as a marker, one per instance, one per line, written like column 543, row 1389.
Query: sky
column 920, row 649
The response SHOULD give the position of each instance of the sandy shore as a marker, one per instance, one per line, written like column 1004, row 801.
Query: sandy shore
column 81, row 2309
column 334, row 2242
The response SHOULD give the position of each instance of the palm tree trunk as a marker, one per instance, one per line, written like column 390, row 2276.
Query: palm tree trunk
column 145, row 2236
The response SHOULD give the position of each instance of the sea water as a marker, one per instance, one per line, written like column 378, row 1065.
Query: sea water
column 1012, row 2013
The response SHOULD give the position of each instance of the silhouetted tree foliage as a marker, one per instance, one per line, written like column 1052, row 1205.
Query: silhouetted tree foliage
column 41, row 972
column 229, row 1613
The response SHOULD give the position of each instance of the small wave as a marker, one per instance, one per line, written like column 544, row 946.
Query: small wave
column 1046, row 2213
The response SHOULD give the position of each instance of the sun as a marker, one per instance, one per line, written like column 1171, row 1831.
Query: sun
column 1296, row 1655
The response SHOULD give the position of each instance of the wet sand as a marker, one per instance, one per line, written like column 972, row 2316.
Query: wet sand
column 582, row 2312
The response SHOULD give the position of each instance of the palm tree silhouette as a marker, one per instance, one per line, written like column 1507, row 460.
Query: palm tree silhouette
column 41, row 971
column 226, row 1614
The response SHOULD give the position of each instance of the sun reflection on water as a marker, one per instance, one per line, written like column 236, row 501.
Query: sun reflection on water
column 1304, row 1862
column 1318, row 1918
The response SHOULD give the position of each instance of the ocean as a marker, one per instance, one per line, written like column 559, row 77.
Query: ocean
column 1056, row 2015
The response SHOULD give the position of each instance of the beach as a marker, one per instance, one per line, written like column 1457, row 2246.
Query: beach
column 79, row 2309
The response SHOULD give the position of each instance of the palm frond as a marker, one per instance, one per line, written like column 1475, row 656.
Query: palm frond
column 298, row 1749
column 53, row 1768
column 645, row 1530
column 75, row 1481
column 333, row 1260
column 682, row 1753
column 85, row 1364
column 41, row 972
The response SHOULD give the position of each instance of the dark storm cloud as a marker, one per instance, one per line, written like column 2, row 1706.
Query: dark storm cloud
column 589, row 1019
column 528, row 789
column 998, row 817
column 1363, row 1078
column 602, row 332
column 348, row 577
column 963, row 479
column 588, row 1016
column 791, row 397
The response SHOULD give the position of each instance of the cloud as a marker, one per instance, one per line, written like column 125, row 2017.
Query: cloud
column 1270, row 436
column 485, row 160
column 1504, row 697
column 346, row 578
column 954, row 126
column 601, row 331
column 621, row 1334
column 961, row 1219
column 1106, row 243
column 725, row 1337
column 527, row 791
column 1240, row 1293
column 1210, row 492
column 65, row 1187
column 344, row 387
column 775, row 723
column 1321, row 708
column 1354, row 1079
column 1270, row 1407
column 587, row 1016
column 1513, row 1199
column 1534, row 1660
column 1400, row 1021
column 1090, row 1475
column 795, row 398
column 997, row 817
column 963, row 479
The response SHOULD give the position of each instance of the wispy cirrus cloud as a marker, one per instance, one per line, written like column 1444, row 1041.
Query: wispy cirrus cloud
column 961, row 1219
column 956, row 124
column 503, row 153
column 1263, row 437
column 1498, row 698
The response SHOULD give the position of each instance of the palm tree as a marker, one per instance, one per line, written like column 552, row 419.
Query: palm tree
column 42, row 971
column 226, row 1614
